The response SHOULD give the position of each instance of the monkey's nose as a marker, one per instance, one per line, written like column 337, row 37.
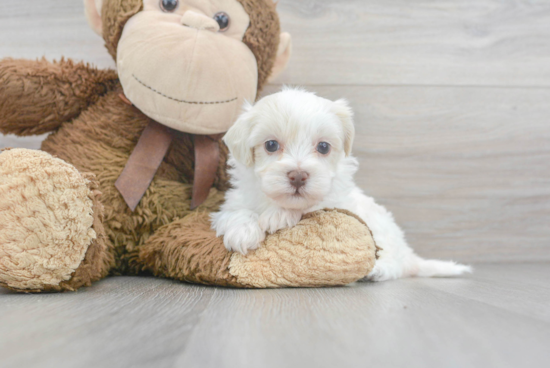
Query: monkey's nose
column 298, row 178
column 199, row 21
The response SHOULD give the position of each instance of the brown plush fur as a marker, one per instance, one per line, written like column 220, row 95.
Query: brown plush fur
column 115, row 14
column 188, row 250
column 39, row 96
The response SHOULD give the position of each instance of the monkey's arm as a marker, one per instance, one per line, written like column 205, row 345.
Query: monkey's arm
column 36, row 97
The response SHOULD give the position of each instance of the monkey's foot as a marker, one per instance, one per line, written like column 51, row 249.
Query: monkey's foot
column 51, row 233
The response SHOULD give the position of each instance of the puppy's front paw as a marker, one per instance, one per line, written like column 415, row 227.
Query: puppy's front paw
column 275, row 219
column 244, row 237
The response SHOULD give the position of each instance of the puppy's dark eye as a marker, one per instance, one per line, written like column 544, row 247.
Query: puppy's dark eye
column 223, row 20
column 272, row 146
column 323, row 148
column 169, row 5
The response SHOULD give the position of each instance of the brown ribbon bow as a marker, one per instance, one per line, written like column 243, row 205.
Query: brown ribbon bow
column 148, row 155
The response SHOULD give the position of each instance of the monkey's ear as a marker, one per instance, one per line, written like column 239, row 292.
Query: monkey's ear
column 93, row 14
column 283, row 56
column 237, row 138
column 345, row 114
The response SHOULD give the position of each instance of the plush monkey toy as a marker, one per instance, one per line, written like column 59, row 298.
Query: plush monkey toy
column 134, row 164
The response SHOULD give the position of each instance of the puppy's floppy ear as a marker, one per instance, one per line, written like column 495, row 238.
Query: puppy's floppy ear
column 237, row 137
column 344, row 112
column 93, row 14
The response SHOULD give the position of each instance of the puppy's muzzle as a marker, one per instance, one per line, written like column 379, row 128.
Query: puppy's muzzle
column 298, row 178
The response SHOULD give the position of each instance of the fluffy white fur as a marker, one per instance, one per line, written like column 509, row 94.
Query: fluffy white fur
column 263, row 200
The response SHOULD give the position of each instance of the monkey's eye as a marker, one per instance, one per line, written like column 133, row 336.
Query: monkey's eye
column 272, row 146
column 323, row 148
column 223, row 20
column 169, row 5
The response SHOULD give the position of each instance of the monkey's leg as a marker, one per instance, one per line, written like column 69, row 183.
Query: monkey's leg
column 51, row 231
column 36, row 97
column 327, row 248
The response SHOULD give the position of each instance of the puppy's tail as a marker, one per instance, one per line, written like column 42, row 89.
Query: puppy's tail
column 434, row 268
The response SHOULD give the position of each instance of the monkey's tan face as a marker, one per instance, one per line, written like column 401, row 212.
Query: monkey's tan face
column 183, row 63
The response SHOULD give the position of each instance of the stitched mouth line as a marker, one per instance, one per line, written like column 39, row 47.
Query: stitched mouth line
column 184, row 101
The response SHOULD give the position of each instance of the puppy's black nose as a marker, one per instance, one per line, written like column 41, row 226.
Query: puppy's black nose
column 298, row 178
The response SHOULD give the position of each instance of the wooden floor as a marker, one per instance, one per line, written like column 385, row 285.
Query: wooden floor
column 499, row 317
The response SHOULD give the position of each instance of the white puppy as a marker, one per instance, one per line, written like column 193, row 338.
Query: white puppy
column 290, row 155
